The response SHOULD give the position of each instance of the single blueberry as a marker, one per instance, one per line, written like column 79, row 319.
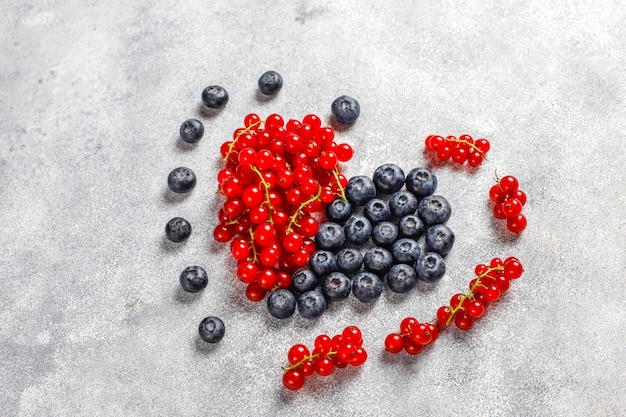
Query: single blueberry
column 181, row 180
column 336, row 286
column 303, row 280
column 401, row 278
column 345, row 109
column 270, row 83
column 212, row 329
column 191, row 130
column 322, row 263
column 311, row 304
column 338, row 211
column 440, row 239
column 377, row 260
column 405, row 251
column 421, row 182
column 410, row 226
column 215, row 96
column 385, row 234
column 349, row 260
column 377, row 210
column 193, row 279
column 402, row 203
column 357, row 230
column 367, row 287
column 388, row 178
column 430, row 267
column 330, row 236
column 360, row 189
column 281, row 304
column 178, row 229
column 434, row 209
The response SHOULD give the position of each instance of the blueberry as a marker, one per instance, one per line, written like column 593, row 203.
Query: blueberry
column 434, row 209
column 421, row 182
column 211, row 329
column 377, row 260
column 336, row 286
column 178, row 229
column 385, row 234
column 270, row 83
column 330, row 236
column 430, row 267
column 303, row 280
column 345, row 109
column 405, row 251
column 181, row 180
column 360, row 189
column 403, row 202
column 322, row 263
column 338, row 210
column 388, row 178
column 367, row 287
column 311, row 304
column 215, row 96
column 401, row 278
column 357, row 230
column 349, row 260
column 281, row 304
column 193, row 279
column 410, row 226
column 191, row 130
column 440, row 239
column 377, row 210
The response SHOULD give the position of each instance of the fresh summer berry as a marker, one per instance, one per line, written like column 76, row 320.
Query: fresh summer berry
column 336, row 286
column 349, row 260
column 302, row 281
column 377, row 260
column 511, row 207
column 191, row 131
column 270, row 83
column 440, row 239
column 384, row 234
column 421, row 182
column 357, row 230
column 193, row 279
column 516, row 224
column 403, row 203
column 281, row 304
column 508, row 184
column 377, row 210
column 367, row 287
column 401, row 278
column 430, row 267
column 360, row 189
column 178, row 229
column 330, row 236
column 394, row 343
column 405, row 251
column 410, row 226
column 322, row 263
column 388, row 178
column 345, row 109
column 338, row 211
column 434, row 209
column 293, row 379
column 215, row 96
column 211, row 329
column 311, row 305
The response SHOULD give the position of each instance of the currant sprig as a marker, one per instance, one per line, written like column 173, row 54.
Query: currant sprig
column 460, row 149
column 508, row 202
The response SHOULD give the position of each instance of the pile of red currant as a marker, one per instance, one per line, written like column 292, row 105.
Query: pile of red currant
column 413, row 336
column 328, row 353
column 508, row 203
column 460, row 149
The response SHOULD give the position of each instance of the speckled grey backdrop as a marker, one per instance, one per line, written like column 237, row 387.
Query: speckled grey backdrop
column 91, row 96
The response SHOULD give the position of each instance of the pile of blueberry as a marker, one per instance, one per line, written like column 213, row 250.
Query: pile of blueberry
column 390, row 227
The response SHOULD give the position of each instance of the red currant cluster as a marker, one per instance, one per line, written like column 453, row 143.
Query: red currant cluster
column 509, row 200
column 277, row 176
column 460, row 149
column 413, row 336
column 329, row 353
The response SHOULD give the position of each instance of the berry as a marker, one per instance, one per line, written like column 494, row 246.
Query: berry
column 401, row 278
column 385, row 234
column 377, row 260
column 322, row 263
column 403, row 203
column 434, row 209
column 302, row 281
column 516, row 224
column 440, row 239
column 430, row 267
column 508, row 184
column 421, row 182
column 511, row 207
column 405, row 251
column 394, row 343
column 330, row 236
column 338, row 211
column 367, row 287
column 336, row 286
column 178, row 229
column 349, row 260
column 215, row 96
column 293, row 379
column 388, row 178
column 191, row 130
column 357, row 230
column 211, row 329
column 281, row 304
column 345, row 109
column 193, row 279
column 360, row 189
column 311, row 305
column 459, row 149
column 270, row 83
column 377, row 210
column 181, row 180
column 410, row 226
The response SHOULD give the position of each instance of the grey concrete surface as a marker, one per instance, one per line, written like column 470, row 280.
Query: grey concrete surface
column 92, row 322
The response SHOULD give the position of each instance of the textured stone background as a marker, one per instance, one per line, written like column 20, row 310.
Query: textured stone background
column 91, row 97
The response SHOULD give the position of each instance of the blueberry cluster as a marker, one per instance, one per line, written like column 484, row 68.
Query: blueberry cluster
column 389, row 229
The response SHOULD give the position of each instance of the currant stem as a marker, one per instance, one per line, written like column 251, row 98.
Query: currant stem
column 343, row 190
column 306, row 358
column 470, row 293
column 474, row 147
column 246, row 130
column 294, row 217
column 254, row 252
column 267, row 192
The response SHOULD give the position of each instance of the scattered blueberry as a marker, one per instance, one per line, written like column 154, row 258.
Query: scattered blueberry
column 345, row 109
column 178, row 229
column 410, row 226
column 434, row 209
column 360, row 189
column 401, row 278
column 385, row 234
column 403, row 202
column 270, row 83
column 367, row 287
column 377, row 260
column 193, row 279
column 281, row 304
column 388, row 178
column 211, row 329
column 405, row 251
column 181, row 180
column 357, row 230
column 330, row 236
column 377, row 210
column 322, row 263
column 349, row 260
column 215, row 96
column 421, row 182
column 303, row 280
column 191, row 130
column 338, row 211
column 430, row 267
column 440, row 239
column 336, row 286
column 311, row 304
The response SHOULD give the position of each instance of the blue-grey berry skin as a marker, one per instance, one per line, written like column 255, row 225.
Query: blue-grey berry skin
column 385, row 234
column 357, row 230
column 178, row 229
column 270, row 83
column 330, row 236
column 430, row 267
column 181, row 180
column 311, row 305
column 322, row 263
column 367, row 287
column 211, row 329
column 405, row 251
column 401, row 278
column 303, row 280
column 360, row 189
column 440, row 239
column 349, row 260
column 377, row 210
column 434, row 209
column 281, row 304
column 421, row 182
column 345, row 109
column 193, row 279
column 336, row 286
column 338, row 211
column 377, row 260
column 191, row 130
column 402, row 203
column 215, row 96
column 388, row 178
column 410, row 226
